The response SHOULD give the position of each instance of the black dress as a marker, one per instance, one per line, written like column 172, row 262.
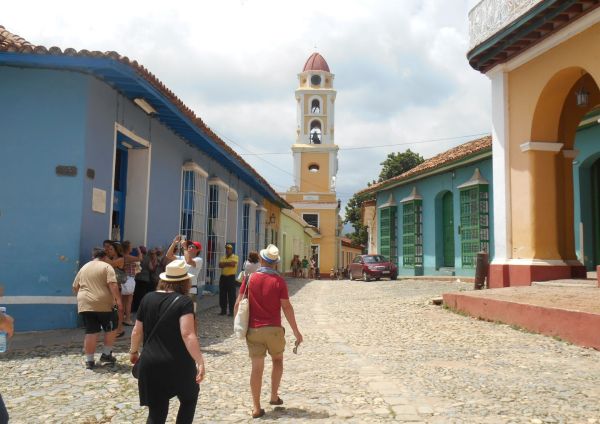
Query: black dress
column 166, row 368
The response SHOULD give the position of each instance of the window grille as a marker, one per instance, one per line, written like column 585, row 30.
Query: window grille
column 474, row 223
column 248, row 229
column 387, row 233
column 412, row 234
column 217, row 217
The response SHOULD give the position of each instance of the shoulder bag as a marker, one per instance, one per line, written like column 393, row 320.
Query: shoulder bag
column 240, row 322
column 135, row 371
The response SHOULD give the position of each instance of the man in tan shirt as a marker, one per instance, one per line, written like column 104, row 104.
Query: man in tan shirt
column 97, row 295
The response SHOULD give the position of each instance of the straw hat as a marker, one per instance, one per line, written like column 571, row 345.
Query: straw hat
column 176, row 271
column 270, row 254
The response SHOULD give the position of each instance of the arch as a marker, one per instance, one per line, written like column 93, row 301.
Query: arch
column 315, row 106
column 556, row 114
column 555, row 119
column 316, row 134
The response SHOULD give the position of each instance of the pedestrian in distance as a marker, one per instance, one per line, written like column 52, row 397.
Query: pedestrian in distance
column 131, row 261
column 98, row 303
column 252, row 264
column 114, row 256
column 268, row 297
column 6, row 326
column 305, row 267
column 190, row 253
column 227, row 286
column 171, row 363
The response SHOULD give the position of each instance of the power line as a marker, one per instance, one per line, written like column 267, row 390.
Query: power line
column 381, row 145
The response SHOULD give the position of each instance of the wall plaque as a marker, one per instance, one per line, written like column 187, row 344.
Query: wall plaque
column 98, row 200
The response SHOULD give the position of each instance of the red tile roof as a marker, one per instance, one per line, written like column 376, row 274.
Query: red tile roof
column 316, row 62
column 448, row 157
column 348, row 243
column 10, row 42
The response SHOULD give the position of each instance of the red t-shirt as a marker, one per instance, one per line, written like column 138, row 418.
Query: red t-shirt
column 265, row 294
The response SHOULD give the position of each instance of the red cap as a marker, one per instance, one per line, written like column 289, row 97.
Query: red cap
column 197, row 244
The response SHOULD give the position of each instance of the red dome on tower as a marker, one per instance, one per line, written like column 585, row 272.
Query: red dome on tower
column 316, row 62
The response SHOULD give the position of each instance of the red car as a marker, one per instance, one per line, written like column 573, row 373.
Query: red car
column 367, row 267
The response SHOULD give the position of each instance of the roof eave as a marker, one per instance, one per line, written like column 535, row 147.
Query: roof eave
column 131, row 84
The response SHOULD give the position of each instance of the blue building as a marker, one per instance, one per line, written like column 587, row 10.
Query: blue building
column 433, row 219
column 94, row 147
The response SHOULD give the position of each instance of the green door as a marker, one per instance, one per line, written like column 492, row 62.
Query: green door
column 448, row 229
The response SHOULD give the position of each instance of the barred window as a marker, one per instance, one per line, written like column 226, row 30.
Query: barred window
column 193, row 203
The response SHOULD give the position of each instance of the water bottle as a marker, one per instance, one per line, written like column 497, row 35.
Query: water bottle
column 3, row 335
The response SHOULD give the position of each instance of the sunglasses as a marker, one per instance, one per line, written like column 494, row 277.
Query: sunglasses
column 296, row 344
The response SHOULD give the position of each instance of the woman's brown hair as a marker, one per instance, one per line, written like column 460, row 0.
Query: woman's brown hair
column 181, row 286
column 253, row 257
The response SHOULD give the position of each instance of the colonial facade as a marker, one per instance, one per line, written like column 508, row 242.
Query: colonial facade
column 101, row 149
column 313, row 195
column 539, row 58
column 436, row 217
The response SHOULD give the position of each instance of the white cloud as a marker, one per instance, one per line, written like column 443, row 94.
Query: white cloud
column 401, row 68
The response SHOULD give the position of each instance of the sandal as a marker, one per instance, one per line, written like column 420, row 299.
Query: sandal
column 121, row 334
column 279, row 401
column 258, row 414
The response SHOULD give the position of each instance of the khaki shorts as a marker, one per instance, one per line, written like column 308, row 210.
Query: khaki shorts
column 263, row 339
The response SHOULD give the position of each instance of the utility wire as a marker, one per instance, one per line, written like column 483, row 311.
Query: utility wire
column 382, row 145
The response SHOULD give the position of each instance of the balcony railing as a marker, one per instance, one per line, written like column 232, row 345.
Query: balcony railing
column 490, row 16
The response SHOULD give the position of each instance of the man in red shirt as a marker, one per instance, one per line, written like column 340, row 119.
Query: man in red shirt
column 268, row 296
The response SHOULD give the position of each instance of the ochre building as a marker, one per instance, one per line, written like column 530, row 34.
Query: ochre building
column 313, row 194
column 541, row 57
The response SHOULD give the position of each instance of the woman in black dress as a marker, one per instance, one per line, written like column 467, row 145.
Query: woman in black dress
column 172, row 363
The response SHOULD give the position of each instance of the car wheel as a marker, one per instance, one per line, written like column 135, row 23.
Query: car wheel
column 393, row 277
column 351, row 276
column 365, row 277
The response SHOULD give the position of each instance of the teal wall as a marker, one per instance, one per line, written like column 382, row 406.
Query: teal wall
column 587, row 142
column 431, row 189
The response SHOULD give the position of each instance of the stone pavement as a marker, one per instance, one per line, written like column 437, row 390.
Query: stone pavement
column 373, row 352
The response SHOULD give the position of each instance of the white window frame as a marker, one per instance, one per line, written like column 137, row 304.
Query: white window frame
column 248, row 227
column 262, row 223
column 198, row 205
column 216, row 228
column 313, row 213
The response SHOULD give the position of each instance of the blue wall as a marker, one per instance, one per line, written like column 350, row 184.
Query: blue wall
column 42, row 125
column 47, row 226
column 587, row 142
column 431, row 189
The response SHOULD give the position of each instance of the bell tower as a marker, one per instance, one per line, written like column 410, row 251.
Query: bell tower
column 314, row 151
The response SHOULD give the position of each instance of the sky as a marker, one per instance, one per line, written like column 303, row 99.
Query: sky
column 401, row 73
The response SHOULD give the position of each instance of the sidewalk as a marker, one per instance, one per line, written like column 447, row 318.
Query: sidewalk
column 32, row 339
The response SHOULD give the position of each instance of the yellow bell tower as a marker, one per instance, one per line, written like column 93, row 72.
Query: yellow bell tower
column 315, row 161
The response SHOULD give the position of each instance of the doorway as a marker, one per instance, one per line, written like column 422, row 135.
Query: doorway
column 131, row 180
column 448, row 230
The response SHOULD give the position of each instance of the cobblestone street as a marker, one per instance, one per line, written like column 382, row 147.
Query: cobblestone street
column 373, row 352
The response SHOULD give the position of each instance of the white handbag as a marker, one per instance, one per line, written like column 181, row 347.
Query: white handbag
column 240, row 322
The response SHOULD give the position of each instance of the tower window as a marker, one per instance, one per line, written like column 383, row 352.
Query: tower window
column 313, row 167
column 315, row 132
column 315, row 80
column 315, row 106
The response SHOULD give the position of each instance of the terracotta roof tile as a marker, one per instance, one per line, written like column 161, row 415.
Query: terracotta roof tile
column 10, row 42
column 445, row 158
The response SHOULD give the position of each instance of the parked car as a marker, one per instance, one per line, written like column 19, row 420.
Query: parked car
column 367, row 267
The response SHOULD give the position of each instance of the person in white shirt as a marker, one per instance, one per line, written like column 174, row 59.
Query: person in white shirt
column 191, row 256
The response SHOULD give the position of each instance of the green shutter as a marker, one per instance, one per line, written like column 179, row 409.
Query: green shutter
column 387, row 233
column 412, row 234
column 474, row 223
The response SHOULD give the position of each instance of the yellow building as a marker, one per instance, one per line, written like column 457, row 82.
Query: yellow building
column 315, row 161
column 541, row 57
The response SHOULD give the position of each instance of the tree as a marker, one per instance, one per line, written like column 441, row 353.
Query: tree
column 395, row 164
column 398, row 163
column 353, row 216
